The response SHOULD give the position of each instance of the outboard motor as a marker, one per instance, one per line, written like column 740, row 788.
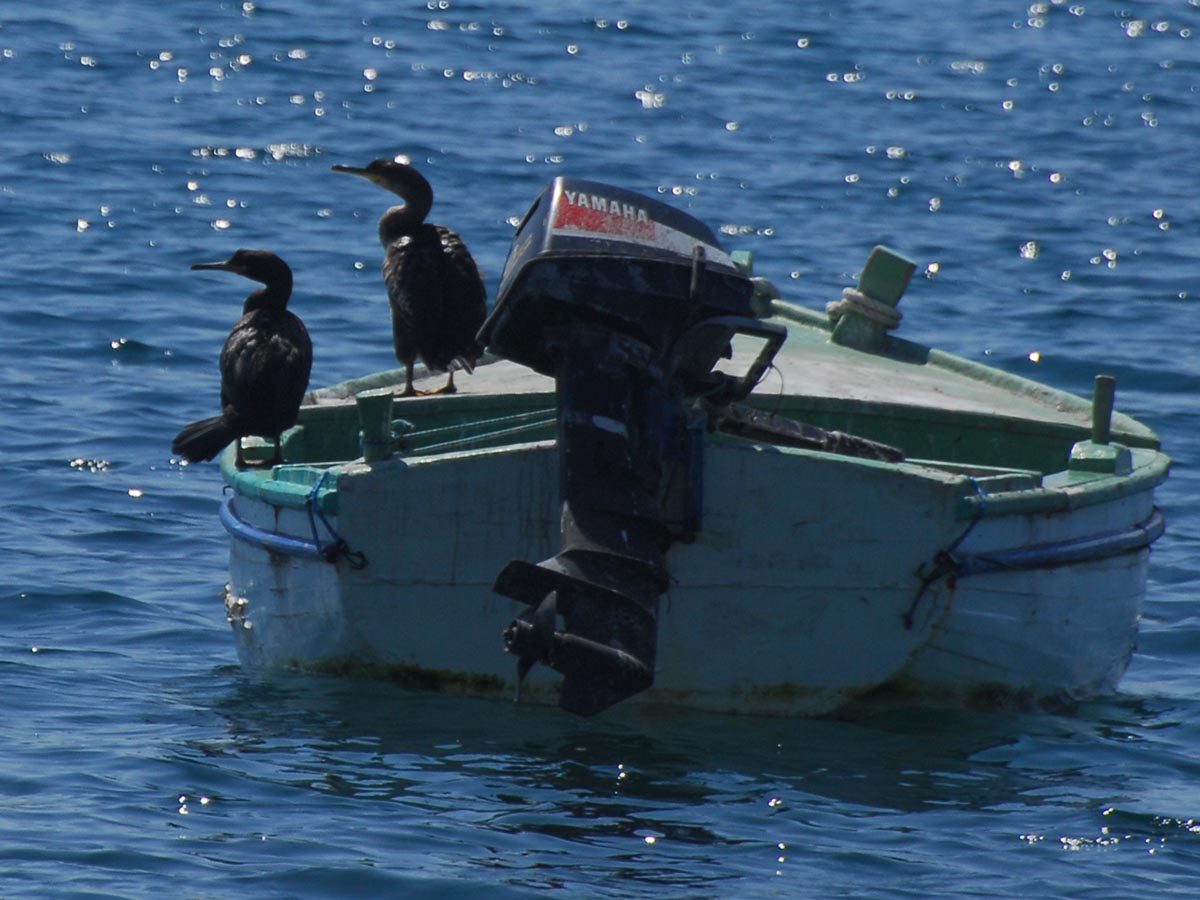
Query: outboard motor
column 629, row 304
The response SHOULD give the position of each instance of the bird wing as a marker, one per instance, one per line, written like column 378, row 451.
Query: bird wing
column 437, row 296
column 464, row 303
column 265, row 367
column 412, row 272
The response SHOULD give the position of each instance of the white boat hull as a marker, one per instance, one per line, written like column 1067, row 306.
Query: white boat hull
column 805, row 588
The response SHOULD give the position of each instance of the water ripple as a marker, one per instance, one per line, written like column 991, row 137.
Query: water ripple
column 1036, row 165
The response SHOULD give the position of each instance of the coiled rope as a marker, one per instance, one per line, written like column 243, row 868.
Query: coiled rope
column 868, row 307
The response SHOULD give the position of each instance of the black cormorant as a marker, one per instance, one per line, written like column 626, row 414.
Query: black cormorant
column 437, row 295
column 265, row 364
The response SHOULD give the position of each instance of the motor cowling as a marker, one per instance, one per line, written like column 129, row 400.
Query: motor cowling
column 629, row 304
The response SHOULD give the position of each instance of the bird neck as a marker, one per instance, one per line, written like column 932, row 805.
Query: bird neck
column 400, row 220
column 272, row 298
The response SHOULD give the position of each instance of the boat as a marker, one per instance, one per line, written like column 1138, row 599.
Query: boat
column 665, row 484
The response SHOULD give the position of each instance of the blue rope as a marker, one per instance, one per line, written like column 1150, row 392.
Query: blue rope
column 945, row 562
column 338, row 546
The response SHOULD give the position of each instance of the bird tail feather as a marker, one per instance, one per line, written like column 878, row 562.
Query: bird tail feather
column 201, row 441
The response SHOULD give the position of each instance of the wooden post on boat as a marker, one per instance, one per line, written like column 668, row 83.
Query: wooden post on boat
column 375, row 416
column 1099, row 455
column 864, row 316
column 1102, row 408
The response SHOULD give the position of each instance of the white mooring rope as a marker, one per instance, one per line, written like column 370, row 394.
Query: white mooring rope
column 856, row 301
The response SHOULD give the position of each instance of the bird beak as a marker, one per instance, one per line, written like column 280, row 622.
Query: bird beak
column 223, row 266
column 351, row 170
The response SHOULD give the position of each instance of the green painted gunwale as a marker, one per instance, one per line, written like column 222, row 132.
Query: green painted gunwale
column 1001, row 454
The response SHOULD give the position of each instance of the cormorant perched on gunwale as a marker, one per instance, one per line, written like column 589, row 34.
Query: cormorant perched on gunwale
column 437, row 295
column 265, row 364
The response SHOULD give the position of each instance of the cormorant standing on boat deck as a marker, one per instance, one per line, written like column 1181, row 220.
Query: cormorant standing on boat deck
column 265, row 364
column 437, row 295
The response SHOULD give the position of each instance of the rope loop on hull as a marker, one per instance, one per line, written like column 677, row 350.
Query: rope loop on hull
column 868, row 307
column 949, row 564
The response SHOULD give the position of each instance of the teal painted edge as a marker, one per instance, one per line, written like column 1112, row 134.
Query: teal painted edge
column 1063, row 491
column 1059, row 492
column 289, row 486
column 292, row 486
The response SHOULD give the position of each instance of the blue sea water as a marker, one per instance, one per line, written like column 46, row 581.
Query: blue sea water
column 1038, row 159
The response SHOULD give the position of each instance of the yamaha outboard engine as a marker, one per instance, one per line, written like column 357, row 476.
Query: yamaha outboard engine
column 628, row 304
